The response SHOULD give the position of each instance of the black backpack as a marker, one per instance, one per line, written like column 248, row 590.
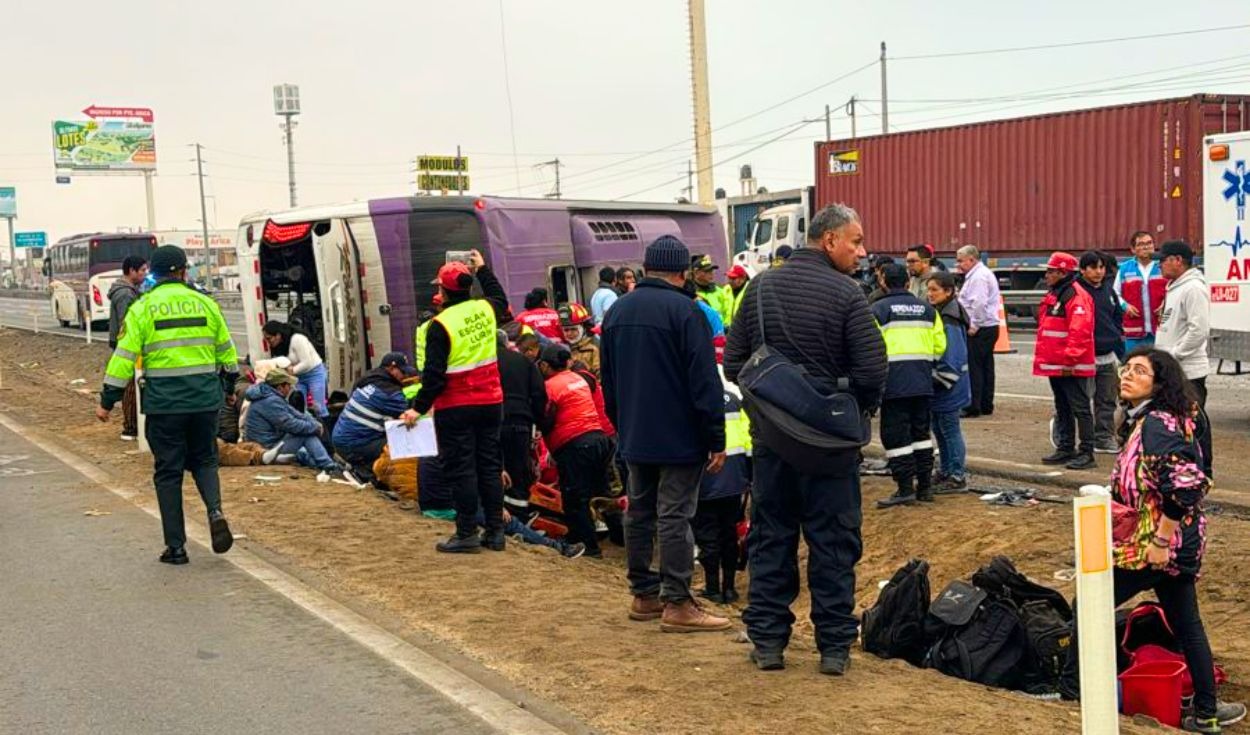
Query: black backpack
column 1045, row 614
column 977, row 636
column 894, row 626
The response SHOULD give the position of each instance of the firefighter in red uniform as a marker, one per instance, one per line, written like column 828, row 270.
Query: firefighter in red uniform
column 1065, row 354
column 460, row 381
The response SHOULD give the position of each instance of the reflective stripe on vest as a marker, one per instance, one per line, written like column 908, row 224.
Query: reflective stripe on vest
column 472, row 362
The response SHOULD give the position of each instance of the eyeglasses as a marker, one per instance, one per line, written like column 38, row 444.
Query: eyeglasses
column 912, row 261
column 1135, row 370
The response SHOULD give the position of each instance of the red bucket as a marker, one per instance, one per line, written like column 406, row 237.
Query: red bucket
column 1154, row 689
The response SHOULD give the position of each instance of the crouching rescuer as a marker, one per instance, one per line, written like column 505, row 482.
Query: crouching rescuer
column 186, row 348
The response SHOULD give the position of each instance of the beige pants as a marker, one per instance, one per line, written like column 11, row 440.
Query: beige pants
column 243, row 454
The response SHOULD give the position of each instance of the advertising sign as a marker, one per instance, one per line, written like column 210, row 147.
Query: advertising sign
column 8, row 201
column 110, row 139
column 30, row 239
column 444, row 173
column 843, row 163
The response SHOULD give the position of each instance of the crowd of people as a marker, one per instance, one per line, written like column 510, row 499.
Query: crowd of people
column 657, row 386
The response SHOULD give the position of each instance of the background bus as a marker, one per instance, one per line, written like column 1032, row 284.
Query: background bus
column 355, row 277
column 80, row 269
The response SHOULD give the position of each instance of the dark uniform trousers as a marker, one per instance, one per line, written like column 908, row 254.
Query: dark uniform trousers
column 468, row 442
column 1073, row 415
column 515, row 441
column 905, row 424
column 826, row 510
column 183, row 442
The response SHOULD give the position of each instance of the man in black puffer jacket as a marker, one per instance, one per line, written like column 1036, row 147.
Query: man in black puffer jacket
column 820, row 320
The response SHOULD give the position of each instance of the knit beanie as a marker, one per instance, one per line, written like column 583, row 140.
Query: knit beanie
column 666, row 255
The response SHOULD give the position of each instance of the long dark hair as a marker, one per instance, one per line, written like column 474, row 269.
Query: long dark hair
column 283, row 330
column 1173, row 392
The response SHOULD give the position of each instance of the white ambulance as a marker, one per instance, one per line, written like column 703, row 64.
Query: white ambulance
column 1226, row 242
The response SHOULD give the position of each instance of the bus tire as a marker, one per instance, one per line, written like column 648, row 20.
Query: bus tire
column 64, row 323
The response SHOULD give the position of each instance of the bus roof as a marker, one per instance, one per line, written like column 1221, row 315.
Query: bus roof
column 467, row 203
column 99, row 236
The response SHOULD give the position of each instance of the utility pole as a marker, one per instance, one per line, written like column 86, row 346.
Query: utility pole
column 689, row 190
column 828, row 128
column 702, row 104
column 288, row 129
column 286, row 105
column 850, row 110
column 554, row 194
column 208, row 250
column 460, row 174
column 885, row 95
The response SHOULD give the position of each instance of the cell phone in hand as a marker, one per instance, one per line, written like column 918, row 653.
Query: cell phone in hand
column 461, row 256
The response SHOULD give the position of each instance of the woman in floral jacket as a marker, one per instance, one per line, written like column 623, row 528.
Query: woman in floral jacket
column 1157, row 488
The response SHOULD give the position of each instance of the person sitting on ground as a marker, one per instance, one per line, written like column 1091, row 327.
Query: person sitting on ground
column 576, row 322
column 287, row 435
column 1158, row 477
column 307, row 366
column 360, row 433
column 952, row 389
column 577, row 441
column 229, row 421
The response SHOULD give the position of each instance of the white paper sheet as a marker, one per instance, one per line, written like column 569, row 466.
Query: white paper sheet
column 419, row 441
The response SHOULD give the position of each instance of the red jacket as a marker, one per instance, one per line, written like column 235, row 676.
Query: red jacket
column 1135, row 290
column 544, row 321
column 1065, row 332
column 597, row 392
column 570, row 409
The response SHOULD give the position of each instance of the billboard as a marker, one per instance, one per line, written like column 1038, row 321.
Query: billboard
column 110, row 139
column 8, row 201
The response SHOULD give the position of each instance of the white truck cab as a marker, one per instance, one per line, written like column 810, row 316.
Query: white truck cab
column 1226, row 242
column 785, row 224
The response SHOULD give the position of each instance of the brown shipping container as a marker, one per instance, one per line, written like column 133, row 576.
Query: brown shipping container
column 1070, row 180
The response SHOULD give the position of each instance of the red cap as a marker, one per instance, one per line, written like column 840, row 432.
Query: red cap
column 455, row 276
column 737, row 272
column 1061, row 262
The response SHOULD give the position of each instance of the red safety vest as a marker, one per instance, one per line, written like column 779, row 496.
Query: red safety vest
column 544, row 321
column 1133, row 289
column 570, row 399
column 1065, row 334
column 473, row 362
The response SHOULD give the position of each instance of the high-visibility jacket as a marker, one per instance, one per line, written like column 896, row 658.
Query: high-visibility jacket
column 735, row 475
column 1143, row 291
column 721, row 299
column 915, row 339
column 418, row 345
column 185, row 344
column 473, row 362
column 1065, row 332
column 735, row 301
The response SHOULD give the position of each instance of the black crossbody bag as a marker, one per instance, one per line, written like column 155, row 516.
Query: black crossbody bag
column 802, row 417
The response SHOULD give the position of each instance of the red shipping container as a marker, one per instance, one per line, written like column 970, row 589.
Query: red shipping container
column 1070, row 181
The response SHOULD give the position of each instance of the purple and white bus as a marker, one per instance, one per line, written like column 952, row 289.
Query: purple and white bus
column 80, row 269
column 356, row 276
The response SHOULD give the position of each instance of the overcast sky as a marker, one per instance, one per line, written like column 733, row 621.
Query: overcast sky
column 599, row 84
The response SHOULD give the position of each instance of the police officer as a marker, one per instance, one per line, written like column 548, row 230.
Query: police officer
column 460, row 381
column 185, row 345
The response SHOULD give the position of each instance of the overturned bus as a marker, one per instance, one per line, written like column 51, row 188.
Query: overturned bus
column 355, row 277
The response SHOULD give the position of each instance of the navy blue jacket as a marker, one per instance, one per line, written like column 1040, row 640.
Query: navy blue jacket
column 376, row 398
column 1108, row 317
column 953, row 385
column 270, row 418
column 661, row 388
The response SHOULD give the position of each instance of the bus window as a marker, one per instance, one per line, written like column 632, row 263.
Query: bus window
column 431, row 235
column 563, row 288
column 115, row 250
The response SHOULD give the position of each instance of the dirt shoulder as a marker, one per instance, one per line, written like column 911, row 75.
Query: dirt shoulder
column 558, row 628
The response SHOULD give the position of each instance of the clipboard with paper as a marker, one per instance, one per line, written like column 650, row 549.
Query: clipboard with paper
column 418, row 441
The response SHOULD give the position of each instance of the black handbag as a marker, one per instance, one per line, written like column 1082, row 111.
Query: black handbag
column 802, row 417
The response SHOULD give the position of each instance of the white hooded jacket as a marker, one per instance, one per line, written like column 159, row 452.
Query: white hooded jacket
column 1185, row 327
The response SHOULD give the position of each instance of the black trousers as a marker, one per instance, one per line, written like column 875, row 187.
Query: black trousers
column 583, row 467
column 826, row 510
column 361, row 458
column 716, row 533
column 905, row 424
column 183, row 442
column 1204, row 427
column 1073, row 414
column 1179, row 600
column 981, row 368
column 468, row 442
column 515, row 441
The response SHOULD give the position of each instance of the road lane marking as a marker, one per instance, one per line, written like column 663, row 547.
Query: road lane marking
column 487, row 705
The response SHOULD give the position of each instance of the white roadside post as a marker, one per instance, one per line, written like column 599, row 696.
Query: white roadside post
column 88, row 320
column 140, row 423
column 1095, row 596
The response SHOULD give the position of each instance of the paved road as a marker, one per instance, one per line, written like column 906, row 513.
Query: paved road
column 29, row 313
column 100, row 638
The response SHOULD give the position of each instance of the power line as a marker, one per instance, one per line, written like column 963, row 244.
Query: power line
column 507, row 85
column 1069, row 44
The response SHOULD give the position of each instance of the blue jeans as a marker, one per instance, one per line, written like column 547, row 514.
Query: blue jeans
column 950, row 441
column 309, row 451
column 515, row 528
column 313, row 385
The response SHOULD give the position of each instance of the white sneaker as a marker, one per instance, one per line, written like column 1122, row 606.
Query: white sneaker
column 129, row 437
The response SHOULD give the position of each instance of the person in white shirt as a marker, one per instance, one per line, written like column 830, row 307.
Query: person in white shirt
column 306, row 365
column 980, row 297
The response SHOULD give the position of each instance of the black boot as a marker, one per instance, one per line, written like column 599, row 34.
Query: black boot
column 174, row 556
column 711, row 589
column 728, row 594
column 904, row 495
column 494, row 541
column 460, row 545
column 924, row 475
column 1059, row 456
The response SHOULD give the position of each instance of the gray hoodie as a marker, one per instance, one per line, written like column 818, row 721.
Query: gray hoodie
column 1186, row 323
column 121, row 296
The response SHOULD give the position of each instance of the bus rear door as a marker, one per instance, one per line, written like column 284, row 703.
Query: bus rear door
column 338, row 270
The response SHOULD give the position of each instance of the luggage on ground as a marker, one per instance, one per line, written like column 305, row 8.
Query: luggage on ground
column 894, row 626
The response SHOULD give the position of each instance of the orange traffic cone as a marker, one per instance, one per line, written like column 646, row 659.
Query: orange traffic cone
column 1002, row 346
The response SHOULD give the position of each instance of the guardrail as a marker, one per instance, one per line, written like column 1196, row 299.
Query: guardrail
column 23, row 293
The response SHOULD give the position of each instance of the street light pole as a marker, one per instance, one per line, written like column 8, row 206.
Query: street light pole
column 286, row 105
column 199, row 172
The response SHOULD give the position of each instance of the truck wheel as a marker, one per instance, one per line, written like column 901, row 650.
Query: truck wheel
column 64, row 323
